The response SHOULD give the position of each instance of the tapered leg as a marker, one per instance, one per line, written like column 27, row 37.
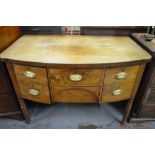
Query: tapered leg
column 24, row 110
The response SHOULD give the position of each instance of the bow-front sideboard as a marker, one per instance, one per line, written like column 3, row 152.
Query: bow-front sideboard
column 87, row 69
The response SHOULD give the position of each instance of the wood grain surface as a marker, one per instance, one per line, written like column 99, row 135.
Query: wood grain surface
column 89, row 76
column 65, row 49
column 96, row 85
column 111, row 83
column 108, row 89
column 131, row 73
column 39, row 83
column 75, row 94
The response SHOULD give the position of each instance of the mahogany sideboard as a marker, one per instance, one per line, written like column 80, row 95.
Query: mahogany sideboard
column 9, row 106
column 144, row 104
column 87, row 69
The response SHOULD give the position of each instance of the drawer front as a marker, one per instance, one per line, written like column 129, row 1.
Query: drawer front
column 118, row 83
column 76, row 76
column 117, row 91
column 121, row 74
column 27, row 74
column 33, row 83
column 75, row 94
column 35, row 91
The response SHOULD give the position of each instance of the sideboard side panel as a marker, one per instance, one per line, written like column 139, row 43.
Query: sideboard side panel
column 18, row 93
column 134, row 91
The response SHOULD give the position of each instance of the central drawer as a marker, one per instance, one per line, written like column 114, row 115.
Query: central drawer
column 33, row 83
column 89, row 94
column 75, row 85
column 76, row 76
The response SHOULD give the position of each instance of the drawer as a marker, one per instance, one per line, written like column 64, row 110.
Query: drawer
column 33, row 80
column 117, row 91
column 121, row 74
column 76, row 76
column 27, row 74
column 35, row 91
column 75, row 94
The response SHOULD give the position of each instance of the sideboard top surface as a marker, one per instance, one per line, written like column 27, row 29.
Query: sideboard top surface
column 69, row 49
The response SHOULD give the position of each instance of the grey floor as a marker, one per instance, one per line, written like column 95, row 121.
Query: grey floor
column 74, row 116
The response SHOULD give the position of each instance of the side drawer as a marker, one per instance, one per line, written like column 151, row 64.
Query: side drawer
column 76, row 76
column 119, row 83
column 28, row 73
column 121, row 74
column 35, row 91
column 33, row 83
column 116, row 92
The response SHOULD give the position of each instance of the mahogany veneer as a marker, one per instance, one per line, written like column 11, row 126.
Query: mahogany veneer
column 87, row 69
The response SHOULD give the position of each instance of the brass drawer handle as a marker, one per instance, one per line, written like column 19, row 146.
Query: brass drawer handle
column 76, row 77
column 33, row 92
column 121, row 75
column 29, row 74
column 117, row 92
